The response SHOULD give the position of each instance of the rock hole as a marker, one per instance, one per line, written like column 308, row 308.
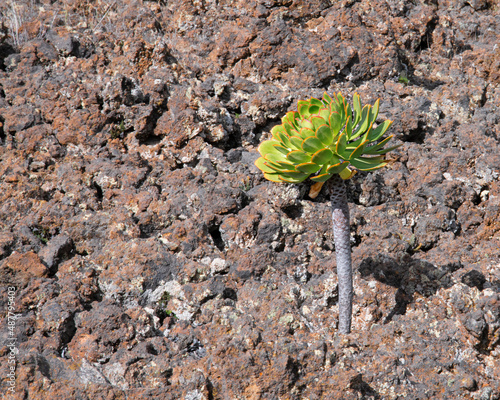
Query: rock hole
column 474, row 278
column 3, row 136
column 293, row 211
column 426, row 39
column 98, row 190
column 67, row 334
column 217, row 237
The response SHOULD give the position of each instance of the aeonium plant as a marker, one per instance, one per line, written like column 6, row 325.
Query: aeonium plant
column 326, row 141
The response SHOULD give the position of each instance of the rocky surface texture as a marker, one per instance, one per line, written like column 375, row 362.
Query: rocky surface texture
column 151, row 260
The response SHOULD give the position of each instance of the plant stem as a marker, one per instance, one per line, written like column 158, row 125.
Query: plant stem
column 342, row 237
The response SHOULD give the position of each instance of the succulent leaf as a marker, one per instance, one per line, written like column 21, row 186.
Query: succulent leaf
column 284, row 139
column 291, row 179
column 280, row 165
column 281, row 149
column 311, row 144
column 379, row 131
column 374, row 111
column 321, row 178
column 348, row 128
column 356, row 103
column 305, row 123
column 289, row 128
column 341, row 145
column 388, row 149
column 316, row 102
column 306, row 132
column 261, row 164
column 324, row 137
column 367, row 164
column 363, row 125
column 335, row 122
column 324, row 113
column 268, row 147
column 337, row 168
column 358, row 151
column 376, row 147
column 296, row 142
column 314, row 108
column 272, row 177
column 309, row 168
column 276, row 130
column 298, row 157
column 325, row 134
column 347, row 173
column 322, row 156
column 317, row 121
column 303, row 109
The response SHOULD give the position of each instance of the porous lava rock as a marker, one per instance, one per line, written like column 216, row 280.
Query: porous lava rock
column 144, row 256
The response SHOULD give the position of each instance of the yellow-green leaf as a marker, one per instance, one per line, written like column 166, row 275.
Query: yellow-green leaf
column 322, row 156
column 308, row 168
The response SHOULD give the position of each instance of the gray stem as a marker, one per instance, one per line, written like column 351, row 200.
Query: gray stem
column 342, row 238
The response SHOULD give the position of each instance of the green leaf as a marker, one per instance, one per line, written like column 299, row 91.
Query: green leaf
column 276, row 129
column 368, row 164
column 289, row 128
column 279, row 165
column 317, row 121
column 358, row 151
column 261, row 164
column 336, row 107
column 314, row 109
column 274, row 157
column 303, row 108
column 325, row 135
column 306, row 132
column 347, row 173
column 296, row 141
column 326, row 98
column 316, row 102
column 321, row 177
column 374, row 111
column 272, row 177
column 325, row 114
column 290, row 117
column 367, row 133
column 335, row 122
column 352, row 145
column 312, row 144
column 337, row 168
column 309, row 168
column 298, row 157
column 388, row 149
column 379, row 131
column 305, row 123
column 356, row 103
column 348, row 128
column 348, row 111
column 322, row 156
column 293, row 179
column 284, row 138
column 281, row 149
column 365, row 121
column 267, row 146
column 340, row 99
column 376, row 147
column 341, row 145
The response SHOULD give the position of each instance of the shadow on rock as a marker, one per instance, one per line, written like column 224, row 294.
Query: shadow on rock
column 409, row 275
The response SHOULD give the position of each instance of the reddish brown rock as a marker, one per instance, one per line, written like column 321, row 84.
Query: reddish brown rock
column 18, row 269
column 150, row 257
